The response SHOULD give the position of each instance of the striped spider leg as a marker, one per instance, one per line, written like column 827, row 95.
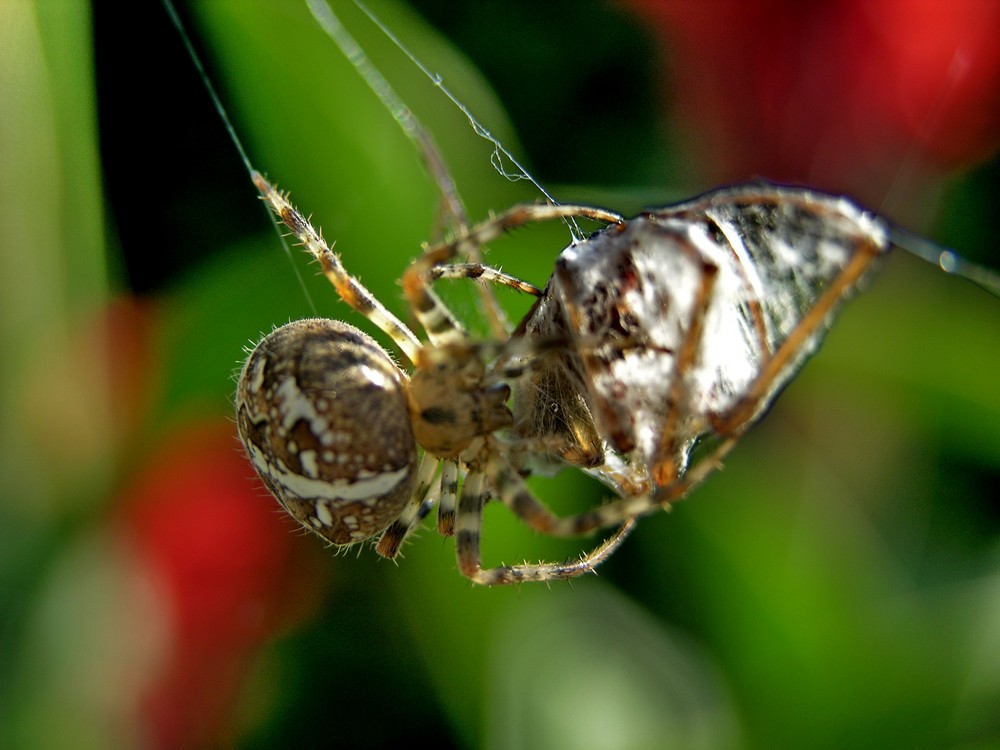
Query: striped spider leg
column 332, row 424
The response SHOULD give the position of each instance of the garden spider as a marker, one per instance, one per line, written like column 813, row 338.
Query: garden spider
column 311, row 392
column 652, row 335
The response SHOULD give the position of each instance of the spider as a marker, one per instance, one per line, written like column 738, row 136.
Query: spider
column 653, row 347
column 655, row 339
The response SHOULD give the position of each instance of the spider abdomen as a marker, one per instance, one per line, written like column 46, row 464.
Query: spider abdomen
column 322, row 412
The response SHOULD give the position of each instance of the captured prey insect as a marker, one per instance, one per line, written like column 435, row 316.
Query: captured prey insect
column 655, row 344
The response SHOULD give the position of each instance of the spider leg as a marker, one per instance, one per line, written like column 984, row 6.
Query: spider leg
column 451, row 211
column 350, row 289
column 430, row 311
column 476, row 236
column 468, row 524
column 514, row 492
column 442, row 328
column 413, row 513
column 516, row 349
column 467, row 545
column 546, row 571
column 449, row 491
column 485, row 273
column 451, row 206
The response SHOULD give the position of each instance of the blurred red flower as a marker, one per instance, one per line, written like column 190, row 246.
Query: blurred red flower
column 228, row 572
column 840, row 95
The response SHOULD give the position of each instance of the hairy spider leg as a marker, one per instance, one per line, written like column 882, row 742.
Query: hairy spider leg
column 477, row 271
column 467, row 546
column 418, row 277
column 350, row 289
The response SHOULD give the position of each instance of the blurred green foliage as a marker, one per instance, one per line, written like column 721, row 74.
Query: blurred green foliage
column 837, row 585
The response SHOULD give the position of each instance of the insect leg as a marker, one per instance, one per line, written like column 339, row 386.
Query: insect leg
column 783, row 362
column 666, row 466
